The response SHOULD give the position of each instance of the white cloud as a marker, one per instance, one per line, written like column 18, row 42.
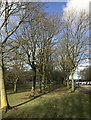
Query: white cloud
column 74, row 8
column 78, row 5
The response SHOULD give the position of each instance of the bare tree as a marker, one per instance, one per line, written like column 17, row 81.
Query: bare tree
column 50, row 28
column 29, row 36
column 7, row 14
column 13, row 61
column 63, row 64
column 75, row 35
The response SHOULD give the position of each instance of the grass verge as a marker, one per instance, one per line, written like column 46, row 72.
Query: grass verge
column 57, row 104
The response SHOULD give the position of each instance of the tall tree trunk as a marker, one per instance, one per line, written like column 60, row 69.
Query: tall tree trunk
column 44, row 83
column 4, row 100
column 72, row 78
column 34, row 82
column 40, row 84
column 15, row 85
column 34, row 79
column 43, row 75
column 68, row 86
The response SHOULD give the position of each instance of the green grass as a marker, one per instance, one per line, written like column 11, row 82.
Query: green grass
column 22, row 87
column 18, row 98
column 57, row 104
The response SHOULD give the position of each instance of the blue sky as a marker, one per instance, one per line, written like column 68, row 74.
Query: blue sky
column 55, row 7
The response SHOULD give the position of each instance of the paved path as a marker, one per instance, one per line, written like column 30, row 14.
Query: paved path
column 85, row 90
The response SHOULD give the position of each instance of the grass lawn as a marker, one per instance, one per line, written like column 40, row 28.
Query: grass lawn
column 57, row 104
column 20, row 88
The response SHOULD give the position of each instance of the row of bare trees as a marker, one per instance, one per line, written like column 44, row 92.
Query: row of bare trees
column 12, row 16
column 74, row 44
column 43, row 42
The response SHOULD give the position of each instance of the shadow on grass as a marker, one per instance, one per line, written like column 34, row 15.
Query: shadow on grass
column 32, row 98
column 39, row 95
column 73, row 105
column 29, row 100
